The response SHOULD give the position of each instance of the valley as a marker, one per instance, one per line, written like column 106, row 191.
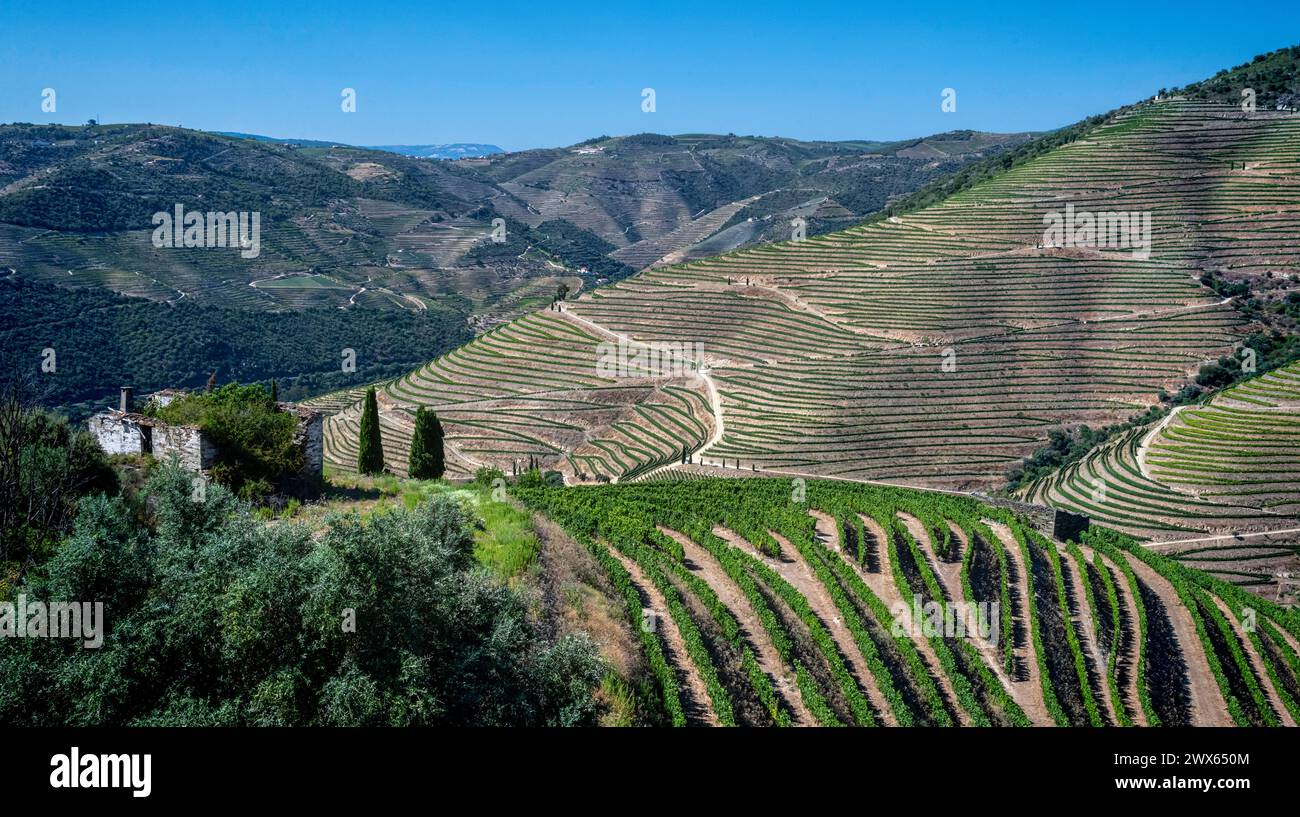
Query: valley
column 936, row 348
column 974, row 429
column 377, row 233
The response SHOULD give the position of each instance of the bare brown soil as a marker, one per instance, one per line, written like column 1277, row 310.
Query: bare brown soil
column 804, row 649
column 366, row 171
column 1256, row 664
column 1129, row 652
column 1085, row 630
column 1026, row 695
column 1027, row 671
column 882, row 584
column 1208, row 706
column 796, row 571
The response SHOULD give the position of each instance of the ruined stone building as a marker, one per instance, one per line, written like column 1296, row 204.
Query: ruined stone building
column 126, row 431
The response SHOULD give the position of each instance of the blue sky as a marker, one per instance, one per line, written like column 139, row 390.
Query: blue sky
column 524, row 75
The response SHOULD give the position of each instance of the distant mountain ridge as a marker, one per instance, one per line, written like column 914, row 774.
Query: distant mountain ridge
column 361, row 234
column 453, row 150
column 348, row 226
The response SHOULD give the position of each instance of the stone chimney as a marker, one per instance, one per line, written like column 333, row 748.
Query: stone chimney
column 127, row 404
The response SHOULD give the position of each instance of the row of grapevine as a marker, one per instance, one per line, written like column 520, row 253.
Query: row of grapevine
column 759, row 530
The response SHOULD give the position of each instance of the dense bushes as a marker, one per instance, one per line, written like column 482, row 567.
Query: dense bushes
column 103, row 340
column 217, row 619
column 83, row 194
column 576, row 248
column 1064, row 446
column 46, row 465
column 1271, row 351
column 1271, row 75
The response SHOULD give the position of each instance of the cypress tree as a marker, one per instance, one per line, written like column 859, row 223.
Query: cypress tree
column 427, row 460
column 275, row 392
column 370, row 450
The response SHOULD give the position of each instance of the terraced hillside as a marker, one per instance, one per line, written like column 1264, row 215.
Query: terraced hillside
column 371, row 233
column 1215, row 485
column 531, row 390
column 782, row 602
column 1242, row 448
column 937, row 347
column 345, row 226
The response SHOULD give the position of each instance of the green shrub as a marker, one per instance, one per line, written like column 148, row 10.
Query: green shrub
column 532, row 478
column 46, row 466
column 218, row 619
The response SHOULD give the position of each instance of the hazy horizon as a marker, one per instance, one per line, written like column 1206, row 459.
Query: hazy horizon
column 554, row 77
